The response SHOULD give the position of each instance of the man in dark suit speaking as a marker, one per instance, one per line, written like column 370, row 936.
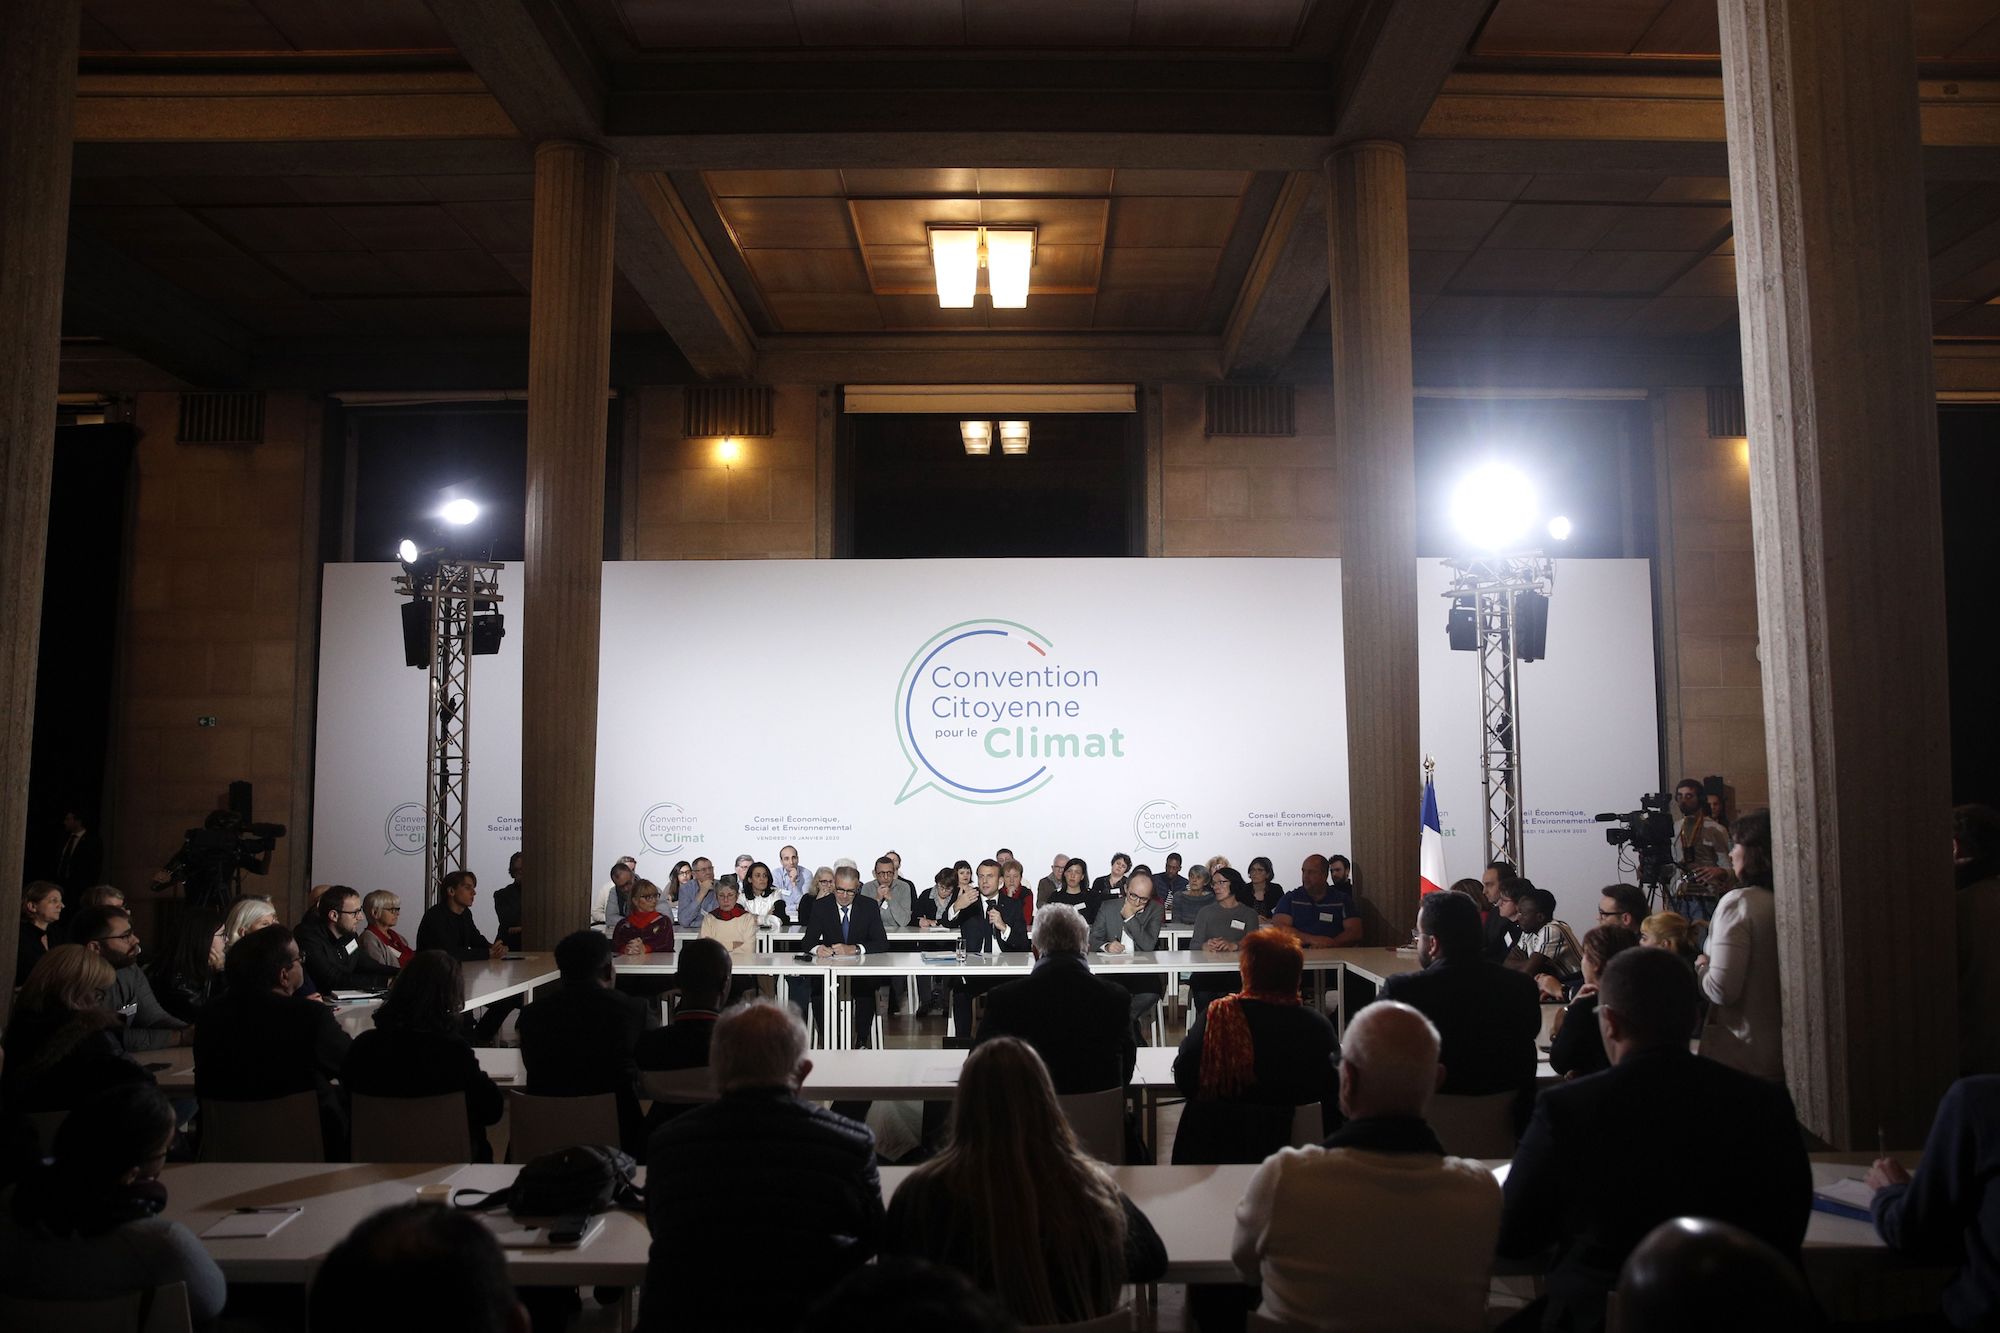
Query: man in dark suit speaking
column 844, row 924
column 1081, row 1025
column 990, row 923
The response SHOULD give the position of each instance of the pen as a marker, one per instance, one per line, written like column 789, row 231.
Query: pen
column 1881, row 1142
column 283, row 1208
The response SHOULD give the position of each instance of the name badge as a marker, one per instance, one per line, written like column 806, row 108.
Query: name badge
column 1326, row 916
column 352, row 945
column 129, row 1011
column 1236, row 925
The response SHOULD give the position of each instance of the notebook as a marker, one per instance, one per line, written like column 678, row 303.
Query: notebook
column 518, row 1234
column 250, row 1223
column 1846, row 1198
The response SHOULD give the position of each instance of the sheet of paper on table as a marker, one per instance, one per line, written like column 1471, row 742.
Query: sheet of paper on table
column 252, row 1225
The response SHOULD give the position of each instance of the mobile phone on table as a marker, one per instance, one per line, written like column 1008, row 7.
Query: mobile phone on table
column 568, row 1230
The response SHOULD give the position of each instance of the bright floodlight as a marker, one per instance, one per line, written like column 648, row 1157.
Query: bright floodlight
column 407, row 552
column 1493, row 507
column 459, row 512
column 1559, row 528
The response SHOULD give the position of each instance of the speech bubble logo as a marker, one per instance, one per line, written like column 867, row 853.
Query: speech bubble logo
column 947, row 699
column 664, row 828
column 403, row 830
column 1159, row 826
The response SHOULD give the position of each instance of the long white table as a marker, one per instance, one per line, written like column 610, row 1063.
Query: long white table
column 485, row 982
column 173, row 1069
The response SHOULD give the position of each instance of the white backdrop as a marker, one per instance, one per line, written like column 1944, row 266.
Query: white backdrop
column 947, row 708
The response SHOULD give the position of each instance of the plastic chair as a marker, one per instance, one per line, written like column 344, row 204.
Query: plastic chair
column 281, row 1129
column 1118, row 1321
column 1308, row 1125
column 538, row 1125
column 1474, row 1126
column 162, row 1309
column 1098, row 1118
column 411, row 1129
column 683, row 1087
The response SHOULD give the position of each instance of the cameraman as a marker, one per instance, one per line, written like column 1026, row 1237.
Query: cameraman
column 209, row 860
column 1701, row 847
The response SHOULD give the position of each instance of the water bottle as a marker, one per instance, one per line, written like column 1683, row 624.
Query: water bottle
column 960, row 951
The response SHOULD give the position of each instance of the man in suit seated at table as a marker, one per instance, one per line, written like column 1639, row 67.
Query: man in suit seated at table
column 263, row 1040
column 701, row 975
column 1561, row 1197
column 1487, row 1016
column 577, row 1038
column 1423, row 1249
column 991, row 924
column 847, row 923
column 759, row 1162
column 1078, row 1023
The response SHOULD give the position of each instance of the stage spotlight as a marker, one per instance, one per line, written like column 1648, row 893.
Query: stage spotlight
column 1494, row 507
column 406, row 551
column 1559, row 528
column 458, row 513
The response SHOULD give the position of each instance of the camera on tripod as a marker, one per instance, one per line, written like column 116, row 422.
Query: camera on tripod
column 1649, row 832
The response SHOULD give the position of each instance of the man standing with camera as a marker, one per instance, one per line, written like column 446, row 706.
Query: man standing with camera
column 1701, row 850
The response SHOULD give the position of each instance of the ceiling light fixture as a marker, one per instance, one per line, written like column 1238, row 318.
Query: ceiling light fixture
column 978, row 436
column 1013, row 437
column 958, row 253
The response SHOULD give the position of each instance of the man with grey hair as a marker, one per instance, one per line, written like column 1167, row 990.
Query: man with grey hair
column 729, row 1160
column 1081, row 1025
column 1423, row 1259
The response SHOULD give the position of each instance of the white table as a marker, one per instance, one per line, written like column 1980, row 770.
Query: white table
column 174, row 1069
column 485, row 982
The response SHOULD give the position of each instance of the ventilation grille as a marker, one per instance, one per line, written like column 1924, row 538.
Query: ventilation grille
column 728, row 409
column 1250, row 409
column 222, row 418
column 1725, row 412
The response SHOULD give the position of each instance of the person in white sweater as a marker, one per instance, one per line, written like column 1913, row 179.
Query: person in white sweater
column 1424, row 1259
column 1739, row 970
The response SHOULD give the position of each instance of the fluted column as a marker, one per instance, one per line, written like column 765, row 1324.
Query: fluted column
column 1368, row 249
column 1826, row 179
column 569, row 369
column 38, row 71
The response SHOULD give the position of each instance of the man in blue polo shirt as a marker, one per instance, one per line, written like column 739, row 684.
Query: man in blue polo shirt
column 1325, row 917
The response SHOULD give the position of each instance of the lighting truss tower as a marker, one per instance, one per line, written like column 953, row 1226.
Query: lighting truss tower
column 454, row 589
column 1492, row 583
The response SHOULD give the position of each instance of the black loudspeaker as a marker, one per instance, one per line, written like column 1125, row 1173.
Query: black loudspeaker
column 1531, row 626
column 417, row 633
column 239, row 801
column 1463, row 625
column 487, row 631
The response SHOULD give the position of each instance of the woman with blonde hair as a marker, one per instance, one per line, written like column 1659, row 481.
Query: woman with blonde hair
column 62, row 1044
column 1668, row 930
column 382, row 941
column 246, row 915
column 1013, row 1170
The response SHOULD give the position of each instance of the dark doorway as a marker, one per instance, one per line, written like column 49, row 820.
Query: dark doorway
column 910, row 491
column 75, row 671
column 1969, row 467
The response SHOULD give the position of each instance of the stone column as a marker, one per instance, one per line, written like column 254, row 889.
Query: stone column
column 1368, row 249
column 38, row 69
column 1826, row 176
column 569, row 369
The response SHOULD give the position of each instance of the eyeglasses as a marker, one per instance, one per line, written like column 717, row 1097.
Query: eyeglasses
column 125, row 935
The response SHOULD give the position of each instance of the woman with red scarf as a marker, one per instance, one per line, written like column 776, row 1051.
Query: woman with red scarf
column 734, row 927
column 381, row 940
column 1252, row 1057
column 644, row 928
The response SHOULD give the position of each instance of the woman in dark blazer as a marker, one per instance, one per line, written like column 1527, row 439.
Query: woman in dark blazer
column 417, row 1047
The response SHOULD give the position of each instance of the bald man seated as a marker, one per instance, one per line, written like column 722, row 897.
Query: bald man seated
column 1424, row 1257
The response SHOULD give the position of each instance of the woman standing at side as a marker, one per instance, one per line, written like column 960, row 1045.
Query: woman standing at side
column 1739, row 971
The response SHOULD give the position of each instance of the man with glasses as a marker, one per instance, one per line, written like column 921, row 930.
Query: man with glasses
column 698, row 895
column 330, row 943
column 1133, row 926
column 107, row 932
column 845, row 924
column 1622, row 905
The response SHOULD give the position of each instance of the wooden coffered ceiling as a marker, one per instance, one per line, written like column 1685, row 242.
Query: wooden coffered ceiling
column 307, row 181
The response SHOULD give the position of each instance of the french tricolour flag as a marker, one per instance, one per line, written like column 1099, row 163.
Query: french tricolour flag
column 1430, row 860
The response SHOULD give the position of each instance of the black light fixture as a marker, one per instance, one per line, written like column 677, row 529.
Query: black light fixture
column 417, row 633
column 1462, row 625
column 487, row 631
column 1531, row 625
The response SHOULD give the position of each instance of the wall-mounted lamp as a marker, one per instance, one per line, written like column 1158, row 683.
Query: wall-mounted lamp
column 978, row 436
column 1013, row 437
column 728, row 450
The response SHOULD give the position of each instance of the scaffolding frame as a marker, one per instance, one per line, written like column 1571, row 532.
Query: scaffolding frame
column 1492, row 583
column 456, row 590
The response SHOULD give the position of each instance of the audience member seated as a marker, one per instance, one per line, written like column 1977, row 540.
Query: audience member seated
column 1577, row 1047
column 416, row 1268
column 1071, row 887
column 914, row 1295
column 1622, row 905
column 1262, row 891
column 262, row 1039
column 1949, row 1210
column 244, row 916
column 1975, row 853
column 609, row 907
column 507, row 906
column 1081, row 1025
column 1011, row 886
column 845, row 924
column 577, row 1036
column 759, row 1162
column 1692, row 1273
column 1261, row 1048
column 698, row 895
column 1547, row 949
column 1560, row 1198
column 644, row 928
column 185, row 980
column 1187, row 902
column 701, row 975
column 62, row 1043
column 1419, row 1254
column 765, row 901
column 1487, row 1016
column 1497, row 926
column 330, row 942
column 990, row 923
column 107, row 932
column 1323, row 914
column 383, row 942
column 1670, row 931
column 1739, row 968
column 41, row 909
column 1015, row 1204
column 417, row 1047
column 1131, row 925
column 448, row 925
column 735, row 928
column 1220, row 927
column 86, row 1224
